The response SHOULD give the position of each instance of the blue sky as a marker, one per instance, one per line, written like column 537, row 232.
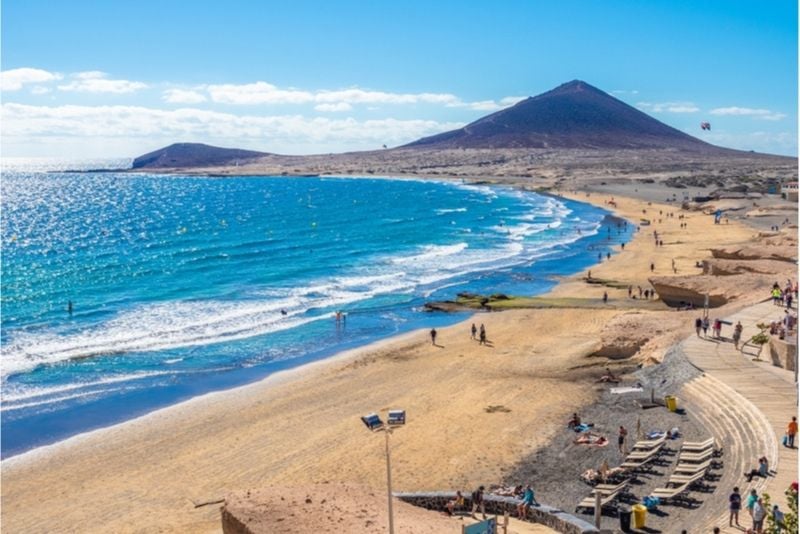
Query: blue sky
column 119, row 78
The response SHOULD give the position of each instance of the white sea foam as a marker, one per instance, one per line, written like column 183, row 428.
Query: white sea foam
column 450, row 210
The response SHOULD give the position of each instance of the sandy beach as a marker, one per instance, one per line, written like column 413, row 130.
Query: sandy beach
column 474, row 411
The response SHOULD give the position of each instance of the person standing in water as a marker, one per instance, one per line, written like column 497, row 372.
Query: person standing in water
column 69, row 307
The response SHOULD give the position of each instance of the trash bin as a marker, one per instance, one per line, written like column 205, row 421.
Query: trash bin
column 671, row 402
column 639, row 515
column 625, row 518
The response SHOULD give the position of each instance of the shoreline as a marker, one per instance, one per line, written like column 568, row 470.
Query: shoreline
column 474, row 412
column 332, row 354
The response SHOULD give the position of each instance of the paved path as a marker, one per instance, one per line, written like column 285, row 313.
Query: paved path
column 770, row 389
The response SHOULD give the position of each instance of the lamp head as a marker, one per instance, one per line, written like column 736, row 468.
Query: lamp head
column 372, row 421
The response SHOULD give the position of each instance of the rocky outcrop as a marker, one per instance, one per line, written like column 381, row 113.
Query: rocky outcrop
column 720, row 267
column 679, row 291
column 777, row 252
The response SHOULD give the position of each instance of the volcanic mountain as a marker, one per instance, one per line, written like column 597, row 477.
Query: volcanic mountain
column 187, row 155
column 573, row 115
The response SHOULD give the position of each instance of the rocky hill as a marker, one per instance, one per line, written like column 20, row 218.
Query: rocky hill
column 573, row 115
column 187, row 155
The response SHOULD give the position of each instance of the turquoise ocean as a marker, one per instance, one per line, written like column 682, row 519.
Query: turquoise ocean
column 185, row 285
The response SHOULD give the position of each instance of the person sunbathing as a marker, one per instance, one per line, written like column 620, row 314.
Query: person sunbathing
column 609, row 377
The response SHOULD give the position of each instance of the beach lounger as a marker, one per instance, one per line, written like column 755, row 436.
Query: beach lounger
column 679, row 480
column 649, row 444
column 690, row 469
column 667, row 495
column 589, row 502
column 605, row 489
column 638, row 464
column 641, row 455
column 688, row 457
column 698, row 447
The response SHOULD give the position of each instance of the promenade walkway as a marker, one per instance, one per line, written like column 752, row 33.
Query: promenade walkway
column 747, row 405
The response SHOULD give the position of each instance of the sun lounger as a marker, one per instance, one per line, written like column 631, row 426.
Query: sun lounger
column 605, row 489
column 589, row 502
column 638, row 464
column 688, row 457
column 698, row 446
column 649, row 444
column 640, row 455
column 672, row 494
column 679, row 492
column 690, row 469
column 679, row 480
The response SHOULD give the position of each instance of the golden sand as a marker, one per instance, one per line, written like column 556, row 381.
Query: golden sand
column 473, row 412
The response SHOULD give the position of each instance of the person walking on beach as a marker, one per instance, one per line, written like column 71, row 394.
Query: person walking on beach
column 477, row 502
column 623, row 433
column 750, row 503
column 705, row 327
column 734, row 505
column 717, row 328
column 737, row 334
column 630, row 291
column 482, row 340
column 474, row 331
column 759, row 513
column 791, row 432
column 698, row 324
column 605, row 297
column 652, row 267
column 433, row 336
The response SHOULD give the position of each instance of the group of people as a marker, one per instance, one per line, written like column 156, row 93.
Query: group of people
column 646, row 294
column 525, row 494
column 784, row 297
column 755, row 508
column 479, row 334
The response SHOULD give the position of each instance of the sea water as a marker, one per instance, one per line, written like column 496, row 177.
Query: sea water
column 184, row 285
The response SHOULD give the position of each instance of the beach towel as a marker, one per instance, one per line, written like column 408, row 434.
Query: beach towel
column 651, row 502
column 620, row 391
column 655, row 434
column 584, row 427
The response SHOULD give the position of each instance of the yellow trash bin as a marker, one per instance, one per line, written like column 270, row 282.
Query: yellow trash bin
column 671, row 402
column 639, row 515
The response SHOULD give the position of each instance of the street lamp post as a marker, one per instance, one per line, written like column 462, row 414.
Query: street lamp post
column 374, row 423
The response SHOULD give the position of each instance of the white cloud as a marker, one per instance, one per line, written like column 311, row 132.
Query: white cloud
column 338, row 106
column 511, row 100
column 257, row 93
column 763, row 114
column 95, row 81
column 182, row 96
column 668, row 107
column 335, row 100
column 40, row 90
column 95, row 123
column 14, row 79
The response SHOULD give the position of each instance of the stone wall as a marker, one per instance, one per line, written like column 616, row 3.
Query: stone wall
column 783, row 354
column 546, row 515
